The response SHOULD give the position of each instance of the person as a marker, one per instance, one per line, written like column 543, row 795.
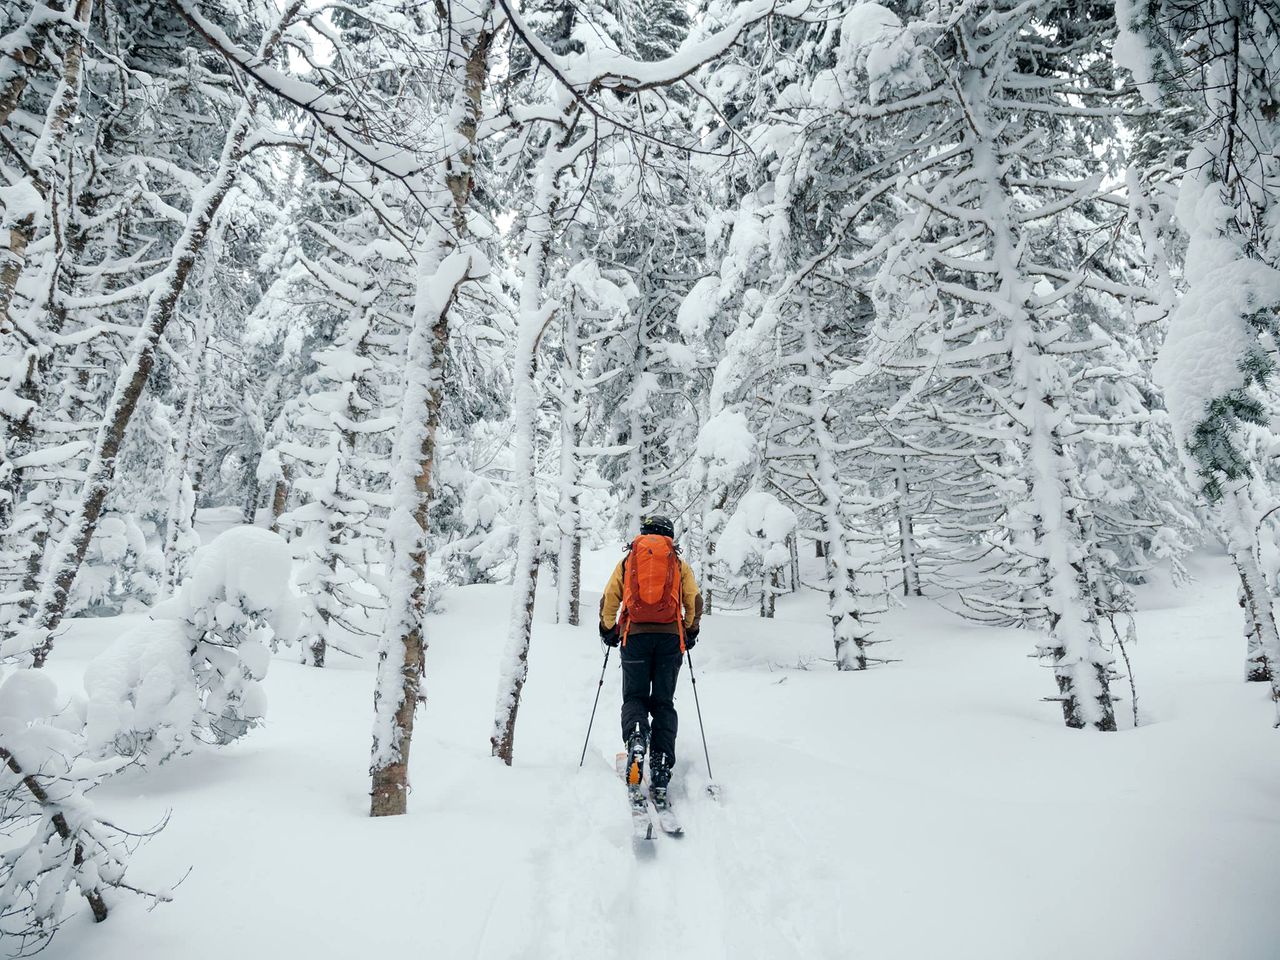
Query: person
column 652, row 608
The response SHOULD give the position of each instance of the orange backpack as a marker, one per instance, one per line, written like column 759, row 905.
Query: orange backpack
column 651, row 583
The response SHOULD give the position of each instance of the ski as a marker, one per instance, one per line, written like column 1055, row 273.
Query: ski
column 667, row 820
column 641, row 822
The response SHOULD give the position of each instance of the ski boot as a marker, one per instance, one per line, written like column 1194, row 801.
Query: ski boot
column 637, row 746
column 659, row 777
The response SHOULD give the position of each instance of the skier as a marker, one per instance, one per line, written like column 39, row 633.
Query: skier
column 652, row 607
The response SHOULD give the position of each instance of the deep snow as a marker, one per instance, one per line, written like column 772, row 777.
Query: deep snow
column 933, row 807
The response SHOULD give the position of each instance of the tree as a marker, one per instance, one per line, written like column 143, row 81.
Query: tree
column 35, row 640
column 1223, row 57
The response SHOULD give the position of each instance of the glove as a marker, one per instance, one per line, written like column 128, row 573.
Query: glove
column 691, row 638
column 609, row 635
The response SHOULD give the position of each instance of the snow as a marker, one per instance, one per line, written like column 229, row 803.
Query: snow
column 758, row 530
column 1208, row 337
column 198, row 665
column 932, row 807
column 727, row 444
column 1209, row 333
column 872, row 37
column 26, row 697
column 585, row 275
column 245, row 568
column 698, row 308
column 1131, row 52
column 21, row 200
column 141, row 693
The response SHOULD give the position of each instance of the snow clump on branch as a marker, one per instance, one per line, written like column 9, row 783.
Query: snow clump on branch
column 194, row 672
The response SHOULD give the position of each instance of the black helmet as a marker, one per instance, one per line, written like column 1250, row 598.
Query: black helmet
column 652, row 523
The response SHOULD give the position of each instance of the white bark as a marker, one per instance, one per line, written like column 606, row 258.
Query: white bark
column 849, row 633
column 402, row 647
column 906, row 533
column 443, row 266
column 572, row 412
column 534, row 315
column 1240, row 521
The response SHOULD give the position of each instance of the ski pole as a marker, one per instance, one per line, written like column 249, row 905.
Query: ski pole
column 599, row 687
column 689, row 656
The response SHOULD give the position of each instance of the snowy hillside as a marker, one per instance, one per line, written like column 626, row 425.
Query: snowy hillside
column 930, row 808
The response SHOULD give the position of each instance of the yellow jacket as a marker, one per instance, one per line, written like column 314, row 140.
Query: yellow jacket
column 690, row 599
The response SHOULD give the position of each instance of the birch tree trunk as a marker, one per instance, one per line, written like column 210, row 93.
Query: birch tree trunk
column 280, row 496
column 443, row 268
column 534, row 315
column 569, row 566
column 906, row 533
column 1262, row 640
column 402, row 647
column 181, row 491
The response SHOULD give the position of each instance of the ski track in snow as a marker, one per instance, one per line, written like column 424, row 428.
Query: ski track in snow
column 934, row 807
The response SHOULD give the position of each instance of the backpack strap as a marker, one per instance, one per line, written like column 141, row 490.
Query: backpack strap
column 679, row 587
column 624, row 618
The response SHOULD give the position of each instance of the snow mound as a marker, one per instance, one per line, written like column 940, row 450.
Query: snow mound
column 142, row 695
column 36, row 728
column 25, row 697
column 194, row 673
column 244, row 569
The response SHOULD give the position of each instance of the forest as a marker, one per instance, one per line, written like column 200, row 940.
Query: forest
column 322, row 321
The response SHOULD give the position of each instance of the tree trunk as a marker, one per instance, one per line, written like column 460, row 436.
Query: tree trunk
column 280, row 496
column 1262, row 641
column 15, row 260
column 906, row 534
column 534, row 316
column 635, row 469
column 61, row 110
column 768, row 597
column 251, row 495
column 1051, row 507
column 402, row 648
column 850, row 636
column 180, row 519
column 706, row 580
column 97, row 904
column 569, row 565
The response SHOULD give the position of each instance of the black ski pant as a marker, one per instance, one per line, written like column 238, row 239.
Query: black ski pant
column 650, row 666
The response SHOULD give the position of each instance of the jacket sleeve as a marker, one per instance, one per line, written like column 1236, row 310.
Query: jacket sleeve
column 611, row 600
column 691, row 597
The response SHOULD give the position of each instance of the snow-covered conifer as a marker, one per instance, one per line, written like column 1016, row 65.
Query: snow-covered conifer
column 1216, row 361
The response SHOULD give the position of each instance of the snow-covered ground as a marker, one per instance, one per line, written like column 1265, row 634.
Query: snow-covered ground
column 935, row 807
